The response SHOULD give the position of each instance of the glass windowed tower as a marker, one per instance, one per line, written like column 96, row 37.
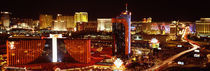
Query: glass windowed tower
column 121, row 34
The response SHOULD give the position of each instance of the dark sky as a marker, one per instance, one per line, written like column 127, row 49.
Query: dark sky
column 159, row 10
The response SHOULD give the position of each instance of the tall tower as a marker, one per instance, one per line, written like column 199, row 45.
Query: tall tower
column 121, row 33
column 5, row 19
column 68, row 19
column 62, row 22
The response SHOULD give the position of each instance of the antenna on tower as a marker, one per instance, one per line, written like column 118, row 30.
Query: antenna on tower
column 126, row 7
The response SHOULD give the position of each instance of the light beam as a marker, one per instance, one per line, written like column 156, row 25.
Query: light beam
column 54, row 49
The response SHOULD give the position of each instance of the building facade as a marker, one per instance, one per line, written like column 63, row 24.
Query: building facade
column 5, row 18
column 88, row 27
column 203, row 27
column 59, row 25
column 45, row 21
column 121, row 29
column 104, row 24
column 68, row 19
column 81, row 17
column 79, row 49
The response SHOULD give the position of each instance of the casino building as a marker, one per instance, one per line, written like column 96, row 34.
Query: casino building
column 203, row 27
column 121, row 29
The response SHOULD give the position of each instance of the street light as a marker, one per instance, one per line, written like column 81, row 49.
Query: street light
column 118, row 65
column 154, row 43
column 12, row 46
column 154, row 40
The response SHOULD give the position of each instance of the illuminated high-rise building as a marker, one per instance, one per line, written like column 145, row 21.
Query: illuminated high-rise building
column 5, row 19
column 35, row 24
column 45, row 21
column 203, row 27
column 149, row 20
column 121, row 29
column 70, row 22
column 68, row 19
column 104, row 24
column 59, row 25
column 144, row 20
column 81, row 17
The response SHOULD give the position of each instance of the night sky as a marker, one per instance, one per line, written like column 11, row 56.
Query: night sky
column 159, row 10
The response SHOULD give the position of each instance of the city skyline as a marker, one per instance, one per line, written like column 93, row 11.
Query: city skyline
column 104, row 35
column 159, row 10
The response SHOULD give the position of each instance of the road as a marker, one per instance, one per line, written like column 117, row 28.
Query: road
column 171, row 59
